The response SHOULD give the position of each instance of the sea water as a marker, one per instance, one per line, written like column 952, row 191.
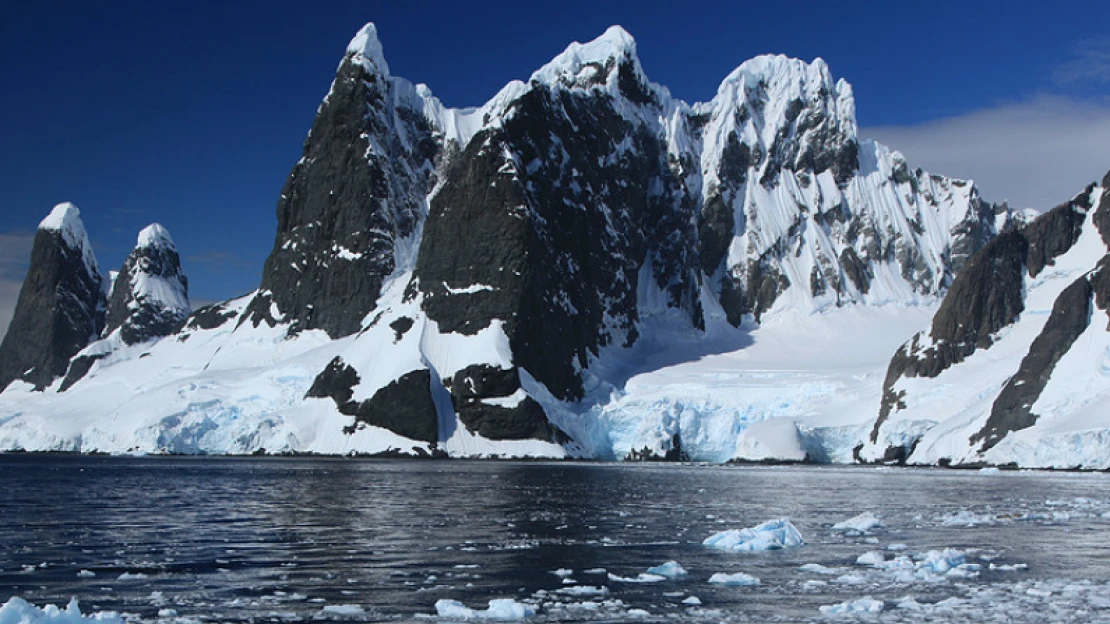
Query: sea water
column 179, row 540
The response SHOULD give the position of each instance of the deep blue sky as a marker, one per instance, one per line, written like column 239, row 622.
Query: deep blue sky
column 191, row 114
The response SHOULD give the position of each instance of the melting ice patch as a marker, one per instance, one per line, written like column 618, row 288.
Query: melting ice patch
column 19, row 611
column 863, row 605
column 771, row 535
column 736, row 579
column 862, row 523
column 670, row 569
column 501, row 609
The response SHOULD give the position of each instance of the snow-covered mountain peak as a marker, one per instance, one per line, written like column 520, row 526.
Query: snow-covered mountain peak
column 150, row 294
column 65, row 219
column 776, row 90
column 609, row 61
column 366, row 49
column 155, row 236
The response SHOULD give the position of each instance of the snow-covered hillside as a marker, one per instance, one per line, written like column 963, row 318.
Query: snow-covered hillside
column 1015, row 368
column 583, row 266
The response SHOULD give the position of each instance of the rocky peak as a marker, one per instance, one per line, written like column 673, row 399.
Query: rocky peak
column 61, row 303
column 353, row 202
column 365, row 50
column 150, row 295
column 783, row 113
column 608, row 63
column 65, row 221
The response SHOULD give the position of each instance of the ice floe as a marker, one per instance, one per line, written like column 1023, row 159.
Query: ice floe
column 19, row 611
column 501, row 609
column 734, row 579
column 670, row 569
column 861, row 523
column 771, row 535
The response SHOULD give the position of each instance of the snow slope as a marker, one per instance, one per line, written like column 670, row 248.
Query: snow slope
column 940, row 418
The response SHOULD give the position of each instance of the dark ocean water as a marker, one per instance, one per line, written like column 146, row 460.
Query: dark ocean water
column 180, row 540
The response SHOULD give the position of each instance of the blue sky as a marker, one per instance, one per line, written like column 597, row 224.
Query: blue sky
column 191, row 114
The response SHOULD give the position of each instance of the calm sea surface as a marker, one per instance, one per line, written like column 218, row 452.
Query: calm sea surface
column 180, row 540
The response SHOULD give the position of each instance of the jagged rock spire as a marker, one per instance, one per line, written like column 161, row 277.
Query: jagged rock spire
column 61, row 304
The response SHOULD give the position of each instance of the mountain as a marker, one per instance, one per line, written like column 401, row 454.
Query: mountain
column 496, row 280
column 61, row 304
column 1014, row 367
column 150, row 294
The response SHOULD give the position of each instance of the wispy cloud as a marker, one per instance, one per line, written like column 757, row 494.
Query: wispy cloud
column 1089, row 66
column 219, row 261
column 15, row 252
column 1035, row 154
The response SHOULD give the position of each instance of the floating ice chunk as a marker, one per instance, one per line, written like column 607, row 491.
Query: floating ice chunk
column 897, row 546
column 640, row 578
column 863, row 605
column 342, row 611
column 871, row 558
column 817, row 568
column 167, row 613
column 594, row 571
column 131, row 576
column 941, row 561
column 737, row 579
column 1010, row 567
column 771, row 535
column 964, row 517
column 86, row 574
column 583, row 590
column 19, row 611
column 562, row 572
column 670, row 569
column 692, row 600
column 862, row 523
column 502, row 609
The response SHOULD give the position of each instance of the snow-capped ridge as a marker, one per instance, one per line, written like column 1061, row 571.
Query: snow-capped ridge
column 366, row 49
column 155, row 236
column 65, row 219
column 596, row 62
column 779, row 81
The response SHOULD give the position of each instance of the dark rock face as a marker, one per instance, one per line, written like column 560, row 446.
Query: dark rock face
column 337, row 382
column 671, row 453
column 1053, row 233
column 209, row 317
column 1102, row 213
column 404, row 406
column 471, row 391
column 357, row 189
column 1012, row 410
column 78, row 368
column 59, row 311
column 554, row 241
column 984, row 298
column 856, row 270
column 142, row 315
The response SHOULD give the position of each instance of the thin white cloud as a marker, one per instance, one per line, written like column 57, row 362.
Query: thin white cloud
column 1090, row 65
column 15, row 254
column 1034, row 154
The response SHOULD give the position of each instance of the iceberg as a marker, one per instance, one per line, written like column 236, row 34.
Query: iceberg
column 501, row 609
column 771, row 535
